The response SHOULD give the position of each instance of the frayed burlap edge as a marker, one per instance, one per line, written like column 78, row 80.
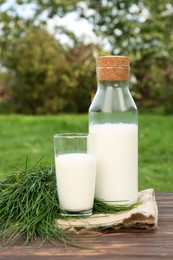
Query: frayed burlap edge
column 143, row 216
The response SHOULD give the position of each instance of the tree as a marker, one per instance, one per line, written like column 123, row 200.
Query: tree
column 81, row 68
column 138, row 28
column 46, row 76
column 142, row 30
column 36, row 66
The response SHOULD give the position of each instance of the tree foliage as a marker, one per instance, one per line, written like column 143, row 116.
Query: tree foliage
column 49, row 77
column 37, row 63
column 46, row 76
column 142, row 30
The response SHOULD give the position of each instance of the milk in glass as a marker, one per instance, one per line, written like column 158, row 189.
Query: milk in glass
column 75, row 175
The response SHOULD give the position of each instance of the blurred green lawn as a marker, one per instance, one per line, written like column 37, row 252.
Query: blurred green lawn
column 32, row 136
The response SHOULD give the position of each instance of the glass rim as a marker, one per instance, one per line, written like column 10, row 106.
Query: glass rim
column 74, row 135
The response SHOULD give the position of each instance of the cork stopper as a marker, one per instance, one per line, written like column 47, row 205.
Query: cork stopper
column 113, row 61
column 113, row 67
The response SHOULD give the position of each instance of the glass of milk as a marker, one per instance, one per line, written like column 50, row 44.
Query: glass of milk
column 75, row 173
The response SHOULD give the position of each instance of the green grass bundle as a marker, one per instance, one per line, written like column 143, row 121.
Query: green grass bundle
column 29, row 206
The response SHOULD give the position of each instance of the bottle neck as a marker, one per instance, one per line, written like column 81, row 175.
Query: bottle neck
column 113, row 84
column 114, row 96
column 113, row 102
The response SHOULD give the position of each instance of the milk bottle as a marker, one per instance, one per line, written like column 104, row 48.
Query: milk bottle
column 113, row 117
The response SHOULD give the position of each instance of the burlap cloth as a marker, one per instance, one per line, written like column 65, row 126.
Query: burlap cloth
column 143, row 216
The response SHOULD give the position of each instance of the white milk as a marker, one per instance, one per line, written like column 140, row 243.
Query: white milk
column 75, row 174
column 117, row 162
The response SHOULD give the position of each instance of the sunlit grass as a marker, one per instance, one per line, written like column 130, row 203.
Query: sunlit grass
column 156, row 152
column 32, row 136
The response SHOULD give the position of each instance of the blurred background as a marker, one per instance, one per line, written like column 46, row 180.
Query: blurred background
column 48, row 51
column 47, row 68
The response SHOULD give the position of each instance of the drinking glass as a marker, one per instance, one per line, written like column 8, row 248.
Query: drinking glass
column 75, row 165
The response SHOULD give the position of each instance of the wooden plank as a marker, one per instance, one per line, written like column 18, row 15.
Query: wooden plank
column 121, row 244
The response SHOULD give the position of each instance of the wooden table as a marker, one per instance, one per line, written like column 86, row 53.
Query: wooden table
column 127, row 244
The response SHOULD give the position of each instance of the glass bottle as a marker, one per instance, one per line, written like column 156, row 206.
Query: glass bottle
column 113, row 117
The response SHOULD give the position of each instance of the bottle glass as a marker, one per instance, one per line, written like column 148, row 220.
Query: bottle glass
column 113, row 117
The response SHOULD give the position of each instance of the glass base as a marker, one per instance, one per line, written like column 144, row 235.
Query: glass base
column 84, row 213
